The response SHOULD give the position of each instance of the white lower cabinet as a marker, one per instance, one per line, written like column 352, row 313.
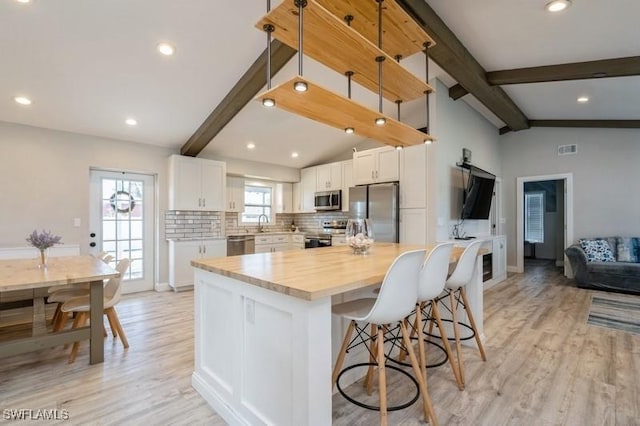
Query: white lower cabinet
column 499, row 261
column 181, row 253
column 413, row 226
column 278, row 242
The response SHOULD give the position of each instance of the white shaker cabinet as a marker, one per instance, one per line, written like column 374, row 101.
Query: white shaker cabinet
column 376, row 166
column 181, row 253
column 347, row 182
column 284, row 198
column 329, row 177
column 413, row 226
column 499, row 260
column 306, row 191
column 235, row 194
column 413, row 177
column 196, row 184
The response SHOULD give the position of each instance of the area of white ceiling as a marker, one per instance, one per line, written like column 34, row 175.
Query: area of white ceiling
column 90, row 64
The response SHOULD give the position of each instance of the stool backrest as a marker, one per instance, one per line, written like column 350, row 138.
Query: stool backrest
column 433, row 273
column 465, row 266
column 113, row 288
column 399, row 290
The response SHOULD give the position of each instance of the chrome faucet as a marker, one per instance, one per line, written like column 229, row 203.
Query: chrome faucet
column 266, row 219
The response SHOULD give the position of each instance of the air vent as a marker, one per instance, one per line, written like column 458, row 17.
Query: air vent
column 567, row 149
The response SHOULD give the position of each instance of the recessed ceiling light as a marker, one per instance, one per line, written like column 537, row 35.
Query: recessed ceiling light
column 294, row 155
column 428, row 141
column 380, row 121
column 131, row 122
column 349, row 130
column 583, row 99
column 268, row 102
column 24, row 1
column 557, row 5
column 166, row 49
column 399, row 147
column 22, row 100
column 251, row 145
column 300, row 86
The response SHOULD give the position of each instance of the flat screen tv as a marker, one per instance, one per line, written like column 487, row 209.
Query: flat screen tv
column 478, row 195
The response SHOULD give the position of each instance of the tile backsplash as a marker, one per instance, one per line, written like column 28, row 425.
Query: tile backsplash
column 309, row 222
column 183, row 224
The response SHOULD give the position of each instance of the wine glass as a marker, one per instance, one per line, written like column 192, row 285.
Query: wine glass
column 359, row 235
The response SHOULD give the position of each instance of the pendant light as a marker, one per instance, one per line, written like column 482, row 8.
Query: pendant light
column 268, row 28
column 349, row 130
column 380, row 121
column 300, row 86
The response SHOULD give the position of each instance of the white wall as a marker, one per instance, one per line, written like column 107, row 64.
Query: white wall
column 456, row 125
column 605, row 182
column 44, row 182
column 257, row 170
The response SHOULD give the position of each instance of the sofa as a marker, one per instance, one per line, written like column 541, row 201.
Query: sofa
column 609, row 264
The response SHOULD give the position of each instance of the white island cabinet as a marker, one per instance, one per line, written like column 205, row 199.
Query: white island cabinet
column 263, row 329
column 181, row 253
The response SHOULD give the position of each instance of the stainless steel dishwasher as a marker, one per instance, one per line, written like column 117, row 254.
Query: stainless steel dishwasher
column 240, row 244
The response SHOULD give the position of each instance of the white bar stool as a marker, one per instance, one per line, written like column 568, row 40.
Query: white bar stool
column 396, row 300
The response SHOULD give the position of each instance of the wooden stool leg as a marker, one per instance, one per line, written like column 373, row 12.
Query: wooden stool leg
column 56, row 314
column 79, row 321
column 104, row 331
column 382, row 378
column 403, row 354
column 421, row 351
column 445, row 341
column 472, row 321
column 427, row 406
column 343, row 351
column 373, row 348
column 113, row 327
column 61, row 321
column 456, row 333
column 111, row 312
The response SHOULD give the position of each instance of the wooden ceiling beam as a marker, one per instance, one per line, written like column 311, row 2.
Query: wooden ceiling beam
column 456, row 92
column 618, row 67
column 451, row 55
column 244, row 91
column 602, row 124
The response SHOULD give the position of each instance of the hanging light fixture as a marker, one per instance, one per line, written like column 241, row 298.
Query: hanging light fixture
column 380, row 121
column 268, row 28
column 300, row 86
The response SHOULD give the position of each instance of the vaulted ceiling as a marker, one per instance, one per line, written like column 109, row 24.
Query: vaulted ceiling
column 90, row 64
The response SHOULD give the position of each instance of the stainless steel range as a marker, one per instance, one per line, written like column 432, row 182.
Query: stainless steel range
column 323, row 238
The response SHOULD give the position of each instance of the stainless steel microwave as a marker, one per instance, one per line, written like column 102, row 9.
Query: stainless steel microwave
column 328, row 200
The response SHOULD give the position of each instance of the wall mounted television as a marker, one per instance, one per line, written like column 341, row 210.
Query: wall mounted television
column 478, row 194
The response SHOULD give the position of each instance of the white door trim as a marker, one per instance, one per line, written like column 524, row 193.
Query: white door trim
column 568, row 215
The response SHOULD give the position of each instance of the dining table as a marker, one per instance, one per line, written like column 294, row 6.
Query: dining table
column 26, row 274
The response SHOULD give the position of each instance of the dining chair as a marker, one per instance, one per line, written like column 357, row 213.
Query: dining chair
column 395, row 301
column 81, row 306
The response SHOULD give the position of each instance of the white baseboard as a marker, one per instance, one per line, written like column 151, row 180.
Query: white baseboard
column 216, row 402
column 162, row 287
column 560, row 263
column 512, row 269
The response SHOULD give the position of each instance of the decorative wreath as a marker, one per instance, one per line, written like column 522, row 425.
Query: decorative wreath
column 116, row 202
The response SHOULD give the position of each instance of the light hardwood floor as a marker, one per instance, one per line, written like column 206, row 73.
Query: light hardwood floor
column 545, row 367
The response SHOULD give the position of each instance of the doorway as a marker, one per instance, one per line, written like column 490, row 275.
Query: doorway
column 538, row 197
column 121, row 223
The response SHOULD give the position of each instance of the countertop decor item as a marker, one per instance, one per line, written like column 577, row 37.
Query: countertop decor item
column 359, row 235
column 43, row 241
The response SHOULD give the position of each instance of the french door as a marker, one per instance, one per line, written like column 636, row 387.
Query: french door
column 121, row 224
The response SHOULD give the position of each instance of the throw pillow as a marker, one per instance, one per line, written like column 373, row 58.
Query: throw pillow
column 629, row 250
column 597, row 250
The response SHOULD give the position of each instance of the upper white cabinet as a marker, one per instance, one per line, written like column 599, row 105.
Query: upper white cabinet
column 235, row 194
column 306, row 191
column 329, row 177
column 347, row 182
column 376, row 165
column 284, row 198
column 196, row 184
column 413, row 177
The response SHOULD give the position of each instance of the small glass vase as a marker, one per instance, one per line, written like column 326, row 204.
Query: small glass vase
column 44, row 259
column 359, row 235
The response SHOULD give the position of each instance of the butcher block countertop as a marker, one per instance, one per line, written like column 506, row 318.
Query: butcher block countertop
column 315, row 273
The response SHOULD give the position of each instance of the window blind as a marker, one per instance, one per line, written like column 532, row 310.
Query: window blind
column 534, row 217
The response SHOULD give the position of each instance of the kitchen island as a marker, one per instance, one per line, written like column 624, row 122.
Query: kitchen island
column 263, row 328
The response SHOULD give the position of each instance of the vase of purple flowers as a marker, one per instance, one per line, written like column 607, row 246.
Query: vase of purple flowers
column 42, row 241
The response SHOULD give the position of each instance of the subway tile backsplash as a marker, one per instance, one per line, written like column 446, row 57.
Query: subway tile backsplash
column 184, row 224
column 306, row 222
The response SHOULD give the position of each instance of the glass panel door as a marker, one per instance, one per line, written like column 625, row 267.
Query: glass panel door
column 122, row 223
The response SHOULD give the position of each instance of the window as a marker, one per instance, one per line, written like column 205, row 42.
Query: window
column 534, row 217
column 257, row 201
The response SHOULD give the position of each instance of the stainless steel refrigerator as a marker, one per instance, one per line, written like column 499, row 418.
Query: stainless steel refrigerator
column 380, row 203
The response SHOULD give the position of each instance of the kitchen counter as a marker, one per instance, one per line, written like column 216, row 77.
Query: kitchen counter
column 242, row 234
column 264, row 332
column 197, row 238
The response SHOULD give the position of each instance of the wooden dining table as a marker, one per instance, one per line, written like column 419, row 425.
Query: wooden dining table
column 25, row 274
